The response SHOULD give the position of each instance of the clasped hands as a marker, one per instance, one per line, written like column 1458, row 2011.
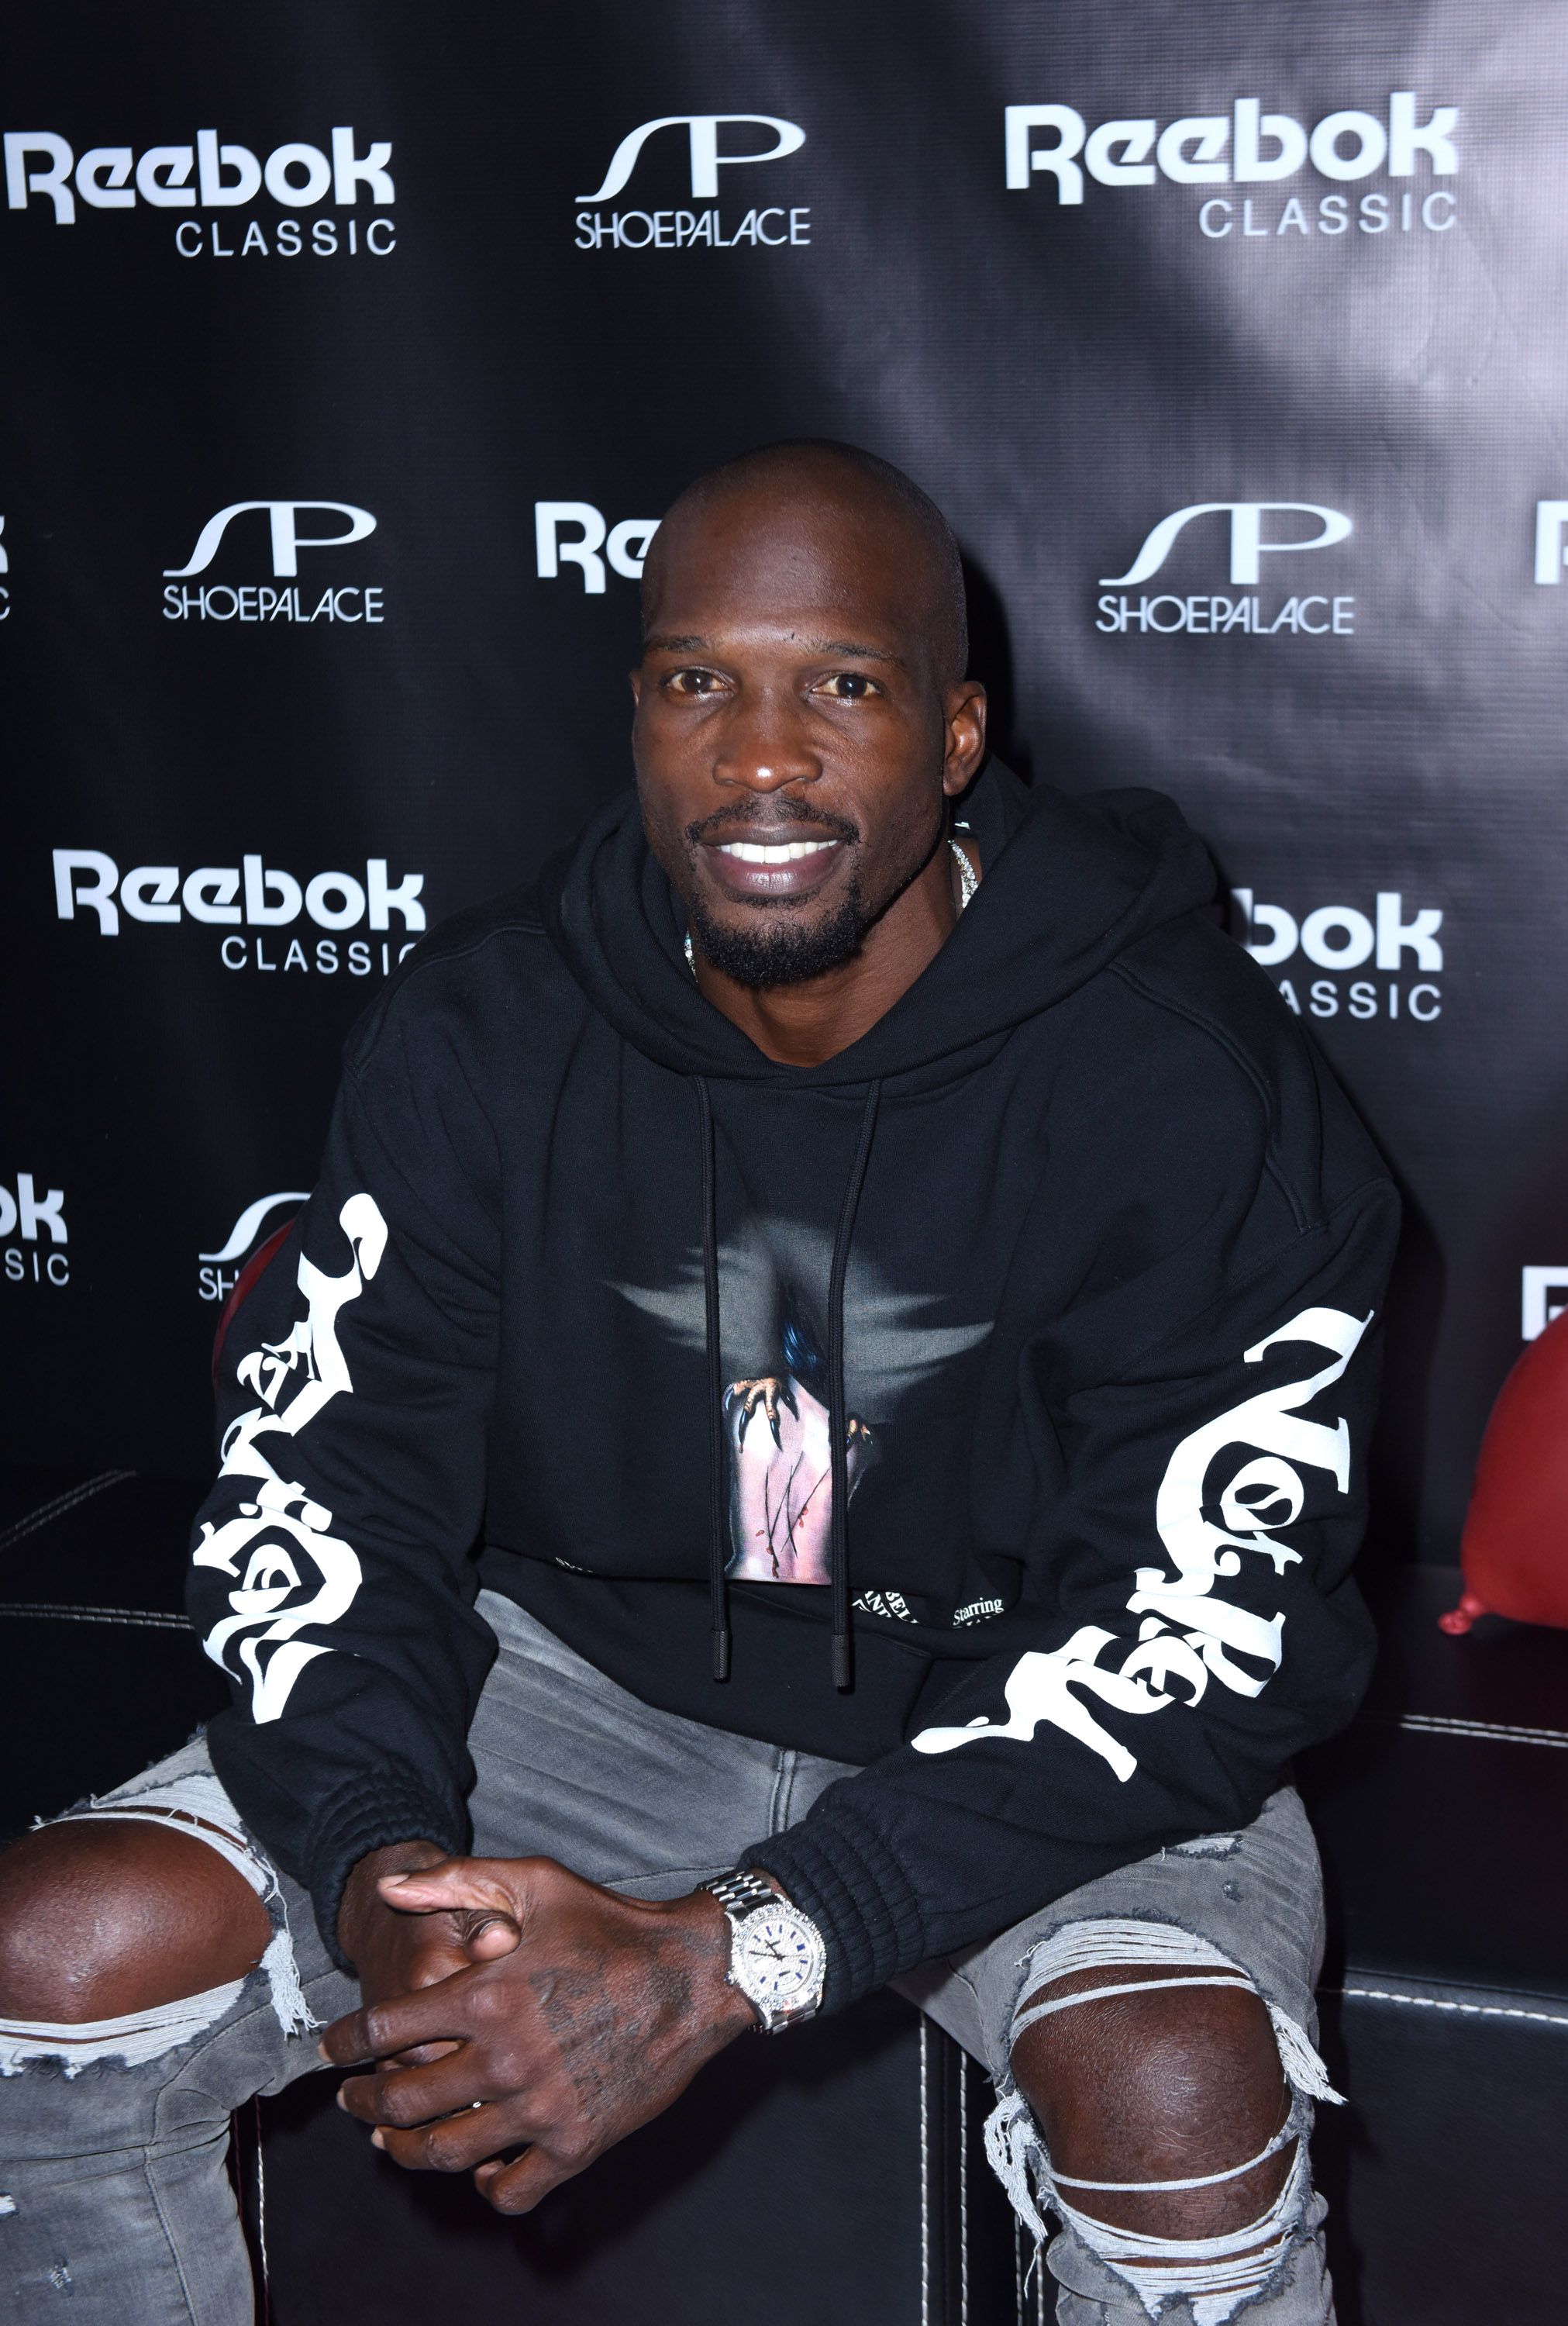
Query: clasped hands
column 510, row 2005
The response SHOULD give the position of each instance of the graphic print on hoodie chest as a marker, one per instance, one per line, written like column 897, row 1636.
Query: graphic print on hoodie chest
column 777, row 1398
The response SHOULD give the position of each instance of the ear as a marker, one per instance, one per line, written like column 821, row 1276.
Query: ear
column 965, row 718
column 635, row 678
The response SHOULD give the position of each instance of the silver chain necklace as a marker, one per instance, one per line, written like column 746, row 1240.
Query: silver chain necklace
column 968, row 881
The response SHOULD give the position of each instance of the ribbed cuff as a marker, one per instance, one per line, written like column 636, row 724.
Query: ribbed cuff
column 370, row 1815
column 836, row 1868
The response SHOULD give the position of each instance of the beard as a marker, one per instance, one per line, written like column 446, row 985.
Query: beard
column 775, row 946
column 784, row 940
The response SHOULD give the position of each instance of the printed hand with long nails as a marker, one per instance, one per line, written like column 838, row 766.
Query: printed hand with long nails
column 781, row 1497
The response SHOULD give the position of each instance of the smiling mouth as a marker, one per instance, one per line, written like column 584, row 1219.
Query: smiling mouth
column 782, row 851
column 779, row 859
column 773, row 871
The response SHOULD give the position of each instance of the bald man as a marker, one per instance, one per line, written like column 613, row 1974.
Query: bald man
column 810, row 1436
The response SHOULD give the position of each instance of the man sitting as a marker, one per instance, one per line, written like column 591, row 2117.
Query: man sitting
column 811, row 1434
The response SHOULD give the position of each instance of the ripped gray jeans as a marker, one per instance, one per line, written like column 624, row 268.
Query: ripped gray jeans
column 114, row 2135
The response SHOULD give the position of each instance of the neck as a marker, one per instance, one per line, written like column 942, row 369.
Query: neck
column 805, row 1025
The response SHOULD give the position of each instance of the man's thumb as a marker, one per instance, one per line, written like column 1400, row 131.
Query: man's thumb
column 455, row 1889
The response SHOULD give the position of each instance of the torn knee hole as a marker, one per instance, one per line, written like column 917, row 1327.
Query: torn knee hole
column 1145, row 2099
column 1090, row 1963
column 195, row 1805
column 1087, row 1964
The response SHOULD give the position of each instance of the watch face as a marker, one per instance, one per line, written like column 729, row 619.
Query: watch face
column 780, row 1956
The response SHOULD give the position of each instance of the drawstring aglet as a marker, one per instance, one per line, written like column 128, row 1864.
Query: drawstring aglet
column 722, row 1652
column 843, row 1660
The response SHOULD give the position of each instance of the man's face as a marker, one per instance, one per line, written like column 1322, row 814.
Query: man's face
column 792, row 735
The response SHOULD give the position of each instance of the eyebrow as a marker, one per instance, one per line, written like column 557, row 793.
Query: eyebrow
column 851, row 646
column 859, row 652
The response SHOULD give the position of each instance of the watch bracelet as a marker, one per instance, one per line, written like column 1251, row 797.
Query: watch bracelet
column 741, row 1889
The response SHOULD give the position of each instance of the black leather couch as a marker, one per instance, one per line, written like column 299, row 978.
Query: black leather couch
column 838, row 2175
column 1442, row 1815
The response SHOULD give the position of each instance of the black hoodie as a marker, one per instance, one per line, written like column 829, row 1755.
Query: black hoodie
column 1014, row 1367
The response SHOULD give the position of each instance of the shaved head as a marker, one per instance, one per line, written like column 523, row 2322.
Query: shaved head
column 839, row 486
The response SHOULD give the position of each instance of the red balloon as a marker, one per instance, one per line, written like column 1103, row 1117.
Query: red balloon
column 1515, row 1550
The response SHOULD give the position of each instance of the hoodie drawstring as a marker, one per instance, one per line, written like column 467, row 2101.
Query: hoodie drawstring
column 838, row 1402
column 718, row 1543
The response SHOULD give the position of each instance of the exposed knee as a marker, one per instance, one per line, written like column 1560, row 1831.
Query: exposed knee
column 1152, row 2086
column 97, row 1920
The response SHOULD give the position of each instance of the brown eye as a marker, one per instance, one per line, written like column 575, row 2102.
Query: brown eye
column 692, row 682
column 848, row 687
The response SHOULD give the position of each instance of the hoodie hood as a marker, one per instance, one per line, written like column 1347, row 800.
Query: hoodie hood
column 1066, row 886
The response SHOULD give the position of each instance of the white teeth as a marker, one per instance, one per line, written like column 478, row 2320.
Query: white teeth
column 752, row 851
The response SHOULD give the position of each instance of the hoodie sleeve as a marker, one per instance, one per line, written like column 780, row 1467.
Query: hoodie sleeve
column 1186, row 1624
column 331, row 1574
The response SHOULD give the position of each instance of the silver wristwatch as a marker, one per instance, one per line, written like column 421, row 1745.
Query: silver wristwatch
column 776, row 1955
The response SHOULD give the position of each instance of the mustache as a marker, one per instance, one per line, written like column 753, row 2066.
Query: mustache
column 762, row 816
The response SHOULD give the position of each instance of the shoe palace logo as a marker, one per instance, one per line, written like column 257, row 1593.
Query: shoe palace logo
column 252, row 896
column 1247, row 147
column 704, row 223
column 1399, row 953
column 43, row 170
column 219, row 1271
column 32, row 1230
column 1316, row 614
column 259, row 601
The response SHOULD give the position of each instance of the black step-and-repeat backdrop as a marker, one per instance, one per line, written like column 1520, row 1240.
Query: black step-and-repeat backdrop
column 352, row 353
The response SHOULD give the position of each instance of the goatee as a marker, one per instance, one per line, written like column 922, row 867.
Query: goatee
column 774, row 947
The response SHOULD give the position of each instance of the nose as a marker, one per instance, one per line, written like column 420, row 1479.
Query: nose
column 763, row 750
